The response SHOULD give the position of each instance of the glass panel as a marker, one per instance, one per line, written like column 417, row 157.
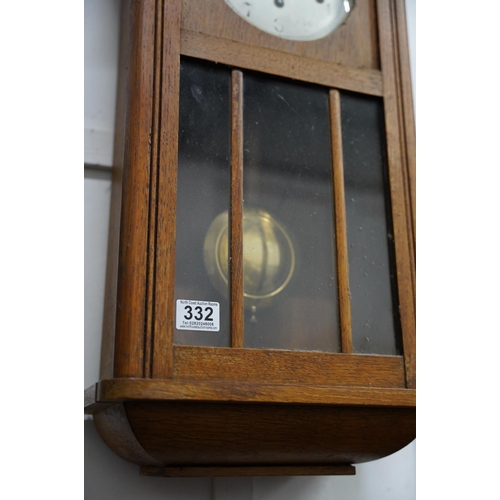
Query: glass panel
column 203, row 188
column 290, row 274
column 372, row 274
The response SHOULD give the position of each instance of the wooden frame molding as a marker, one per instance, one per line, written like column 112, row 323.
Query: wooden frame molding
column 157, row 81
column 275, row 470
column 355, row 44
column 118, row 390
column 281, row 367
column 401, row 209
column 403, row 65
column 241, row 55
column 167, row 193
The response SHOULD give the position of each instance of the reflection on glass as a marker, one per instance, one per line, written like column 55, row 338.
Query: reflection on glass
column 372, row 274
column 287, row 175
column 268, row 256
column 203, row 187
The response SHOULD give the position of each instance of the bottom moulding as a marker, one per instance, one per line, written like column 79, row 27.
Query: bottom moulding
column 253, row 471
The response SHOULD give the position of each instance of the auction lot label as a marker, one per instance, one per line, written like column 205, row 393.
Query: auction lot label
column 197, row 315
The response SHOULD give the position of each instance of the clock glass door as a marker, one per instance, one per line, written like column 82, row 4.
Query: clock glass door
column 305, row 197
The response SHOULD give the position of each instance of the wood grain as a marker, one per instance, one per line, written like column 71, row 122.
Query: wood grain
column 340, row 223
column 118, row 390
column 150, row 291
column 227, row 434
column 287, row 367
column 274, row 470
column 241, row 55
column 114, row 428
column 131, row 287
column 399, row 197
column 236, row 212
column 167, row 193
column 353, row 44
column 403, row 61
column 403, row 122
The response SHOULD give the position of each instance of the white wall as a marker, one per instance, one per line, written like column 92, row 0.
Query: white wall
column 106, row 475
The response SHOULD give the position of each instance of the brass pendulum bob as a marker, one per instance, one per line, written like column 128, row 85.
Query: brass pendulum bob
column 268, row 257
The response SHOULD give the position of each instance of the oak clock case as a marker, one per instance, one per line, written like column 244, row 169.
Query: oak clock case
column 259, row 315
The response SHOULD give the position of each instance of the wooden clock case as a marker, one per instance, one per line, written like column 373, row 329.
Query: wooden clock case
column 181, row 410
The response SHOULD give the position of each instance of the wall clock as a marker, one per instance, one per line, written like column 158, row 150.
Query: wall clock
column 259, row 313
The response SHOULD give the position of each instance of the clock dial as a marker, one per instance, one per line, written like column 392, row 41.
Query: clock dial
column 301, row 20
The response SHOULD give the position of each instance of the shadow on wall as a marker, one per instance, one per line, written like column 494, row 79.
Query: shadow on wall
column 109, row 477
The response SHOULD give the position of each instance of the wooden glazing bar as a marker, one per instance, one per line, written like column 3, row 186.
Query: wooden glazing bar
column 400, row 202
column 241, row 55
column 148, row 347
column 131, row 285
column 340, row 223
column 236, row 211
column 167, row 189
column 288, row 367
column 250, row 471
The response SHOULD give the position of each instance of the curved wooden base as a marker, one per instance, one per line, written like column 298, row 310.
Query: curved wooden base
column 190, row 434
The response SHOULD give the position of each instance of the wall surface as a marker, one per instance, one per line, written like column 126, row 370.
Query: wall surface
column 106, row 475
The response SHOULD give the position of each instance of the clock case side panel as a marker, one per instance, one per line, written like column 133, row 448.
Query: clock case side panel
column 129, row 323
column 400, row 136
column 109, row 319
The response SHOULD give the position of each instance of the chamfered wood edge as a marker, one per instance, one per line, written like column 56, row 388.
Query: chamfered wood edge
column 89, row 395
column 90, row 403
column 250, row 57
column 270, row 470
column 128, row 389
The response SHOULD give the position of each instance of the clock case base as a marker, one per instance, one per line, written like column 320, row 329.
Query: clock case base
column 189, row 437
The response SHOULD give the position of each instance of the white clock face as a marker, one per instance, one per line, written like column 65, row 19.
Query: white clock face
column 301, row 20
